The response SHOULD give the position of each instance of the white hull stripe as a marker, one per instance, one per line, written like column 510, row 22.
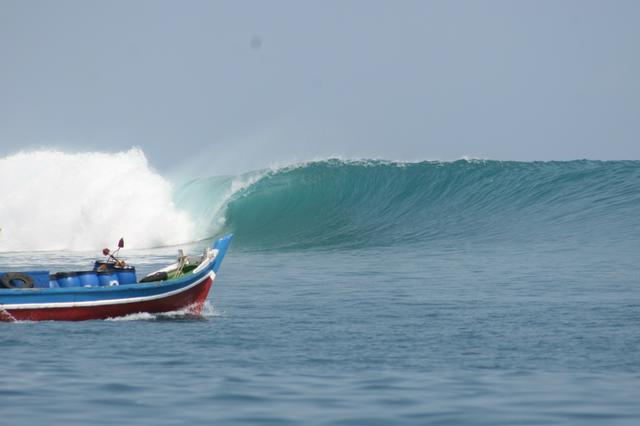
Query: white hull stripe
column 211, row 275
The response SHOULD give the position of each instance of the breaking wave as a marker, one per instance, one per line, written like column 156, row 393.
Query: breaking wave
column 337, row 203
column 53, row 200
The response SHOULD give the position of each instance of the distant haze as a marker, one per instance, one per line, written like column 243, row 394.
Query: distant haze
column 234, row 85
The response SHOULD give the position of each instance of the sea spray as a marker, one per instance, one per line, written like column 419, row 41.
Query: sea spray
column 54, row 200
column 207, row 199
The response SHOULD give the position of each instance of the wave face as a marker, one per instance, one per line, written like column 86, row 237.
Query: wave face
column 53, row 200
column 336, row 203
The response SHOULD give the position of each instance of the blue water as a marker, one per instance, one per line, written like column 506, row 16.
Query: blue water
column 366, row 293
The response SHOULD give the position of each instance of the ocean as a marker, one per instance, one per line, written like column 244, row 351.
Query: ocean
column 355, row 292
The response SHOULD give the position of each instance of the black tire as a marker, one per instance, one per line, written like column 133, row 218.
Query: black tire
column 5, row 280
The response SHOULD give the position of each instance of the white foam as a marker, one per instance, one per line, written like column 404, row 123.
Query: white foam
column 141, row 316
column 51, row 200
column 208, row 311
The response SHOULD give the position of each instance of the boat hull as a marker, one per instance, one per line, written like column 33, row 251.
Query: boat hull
column 191, row 297
column 188, row 292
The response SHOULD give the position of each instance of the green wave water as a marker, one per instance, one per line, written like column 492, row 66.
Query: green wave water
column 346, row 204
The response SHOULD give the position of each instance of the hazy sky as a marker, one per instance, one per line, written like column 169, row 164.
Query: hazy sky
column 241, row 84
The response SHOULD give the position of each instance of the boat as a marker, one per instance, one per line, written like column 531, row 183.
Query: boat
column 111, row 289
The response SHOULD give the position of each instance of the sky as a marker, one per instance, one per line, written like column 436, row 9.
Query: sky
column 229, row 86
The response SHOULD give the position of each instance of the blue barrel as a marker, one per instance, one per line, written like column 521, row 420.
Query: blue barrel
column 88, row 279
column 40, row 278
column 53, row 282
column 107, row 278
column 126, row 275
column 67, row 279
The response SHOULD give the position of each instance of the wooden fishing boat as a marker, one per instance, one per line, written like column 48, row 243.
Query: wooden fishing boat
column 111, row 289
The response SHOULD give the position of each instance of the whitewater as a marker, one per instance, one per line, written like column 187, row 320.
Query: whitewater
column 356, row 292
column 59, row 201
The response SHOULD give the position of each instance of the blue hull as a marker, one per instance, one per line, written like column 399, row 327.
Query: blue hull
column 75, row 303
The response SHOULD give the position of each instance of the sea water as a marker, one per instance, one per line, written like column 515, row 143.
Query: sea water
column 364, row 293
